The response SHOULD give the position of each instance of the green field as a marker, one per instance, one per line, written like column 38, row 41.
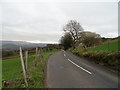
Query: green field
column 108, row 46
column 12, row 70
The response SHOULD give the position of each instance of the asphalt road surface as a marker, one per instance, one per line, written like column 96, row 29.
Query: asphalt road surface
column 65, row 70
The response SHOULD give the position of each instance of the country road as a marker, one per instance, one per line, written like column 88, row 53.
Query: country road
column 65, row 70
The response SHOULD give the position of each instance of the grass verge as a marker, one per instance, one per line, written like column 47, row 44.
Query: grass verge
column 106, row 58
column 37, row 73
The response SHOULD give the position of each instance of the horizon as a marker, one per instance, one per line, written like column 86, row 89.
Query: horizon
column 33, row 41
column 44, row 42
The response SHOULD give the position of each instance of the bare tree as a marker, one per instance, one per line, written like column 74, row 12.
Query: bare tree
column 73, row 27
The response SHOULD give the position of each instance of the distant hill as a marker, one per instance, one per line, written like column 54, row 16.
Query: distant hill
column 14, row 45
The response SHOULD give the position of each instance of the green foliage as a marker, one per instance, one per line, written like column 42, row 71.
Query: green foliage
column 9, row 53
column 67, row 41
column 77, row 51
column 89, row 39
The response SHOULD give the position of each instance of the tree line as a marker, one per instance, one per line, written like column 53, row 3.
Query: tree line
column 75, row 36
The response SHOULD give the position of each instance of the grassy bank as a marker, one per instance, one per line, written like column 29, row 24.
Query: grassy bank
column 106, row 58
column 12, row 71
column 107, row 54
column 108, row 46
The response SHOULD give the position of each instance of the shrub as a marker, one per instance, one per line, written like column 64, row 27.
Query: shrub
column 113, row 58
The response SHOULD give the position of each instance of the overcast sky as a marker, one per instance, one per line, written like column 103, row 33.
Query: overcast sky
column 42, row 21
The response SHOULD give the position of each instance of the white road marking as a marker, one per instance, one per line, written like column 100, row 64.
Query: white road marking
column 79, row 67
column 64, row 55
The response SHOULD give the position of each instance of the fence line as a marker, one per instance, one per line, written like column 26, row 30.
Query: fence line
column 25, row 63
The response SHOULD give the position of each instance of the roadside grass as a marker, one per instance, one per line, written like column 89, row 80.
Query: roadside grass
column 37, row 72
column 106, row 58
column 12, row 71
column 108, row 46
column 106, row 54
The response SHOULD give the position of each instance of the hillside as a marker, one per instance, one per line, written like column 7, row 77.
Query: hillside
column 14, row 45
column 112, row 45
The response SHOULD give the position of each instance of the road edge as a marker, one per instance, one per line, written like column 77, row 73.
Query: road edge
column 45, row 71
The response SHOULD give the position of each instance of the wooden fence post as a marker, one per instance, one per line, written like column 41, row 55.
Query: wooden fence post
column 36, row 53
column 40, row 54
column 23, row 67
column 26, row 59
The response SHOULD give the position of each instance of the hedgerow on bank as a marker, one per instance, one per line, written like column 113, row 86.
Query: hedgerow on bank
column 107, row 58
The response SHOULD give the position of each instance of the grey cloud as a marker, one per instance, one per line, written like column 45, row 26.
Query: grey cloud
column 44, row 21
